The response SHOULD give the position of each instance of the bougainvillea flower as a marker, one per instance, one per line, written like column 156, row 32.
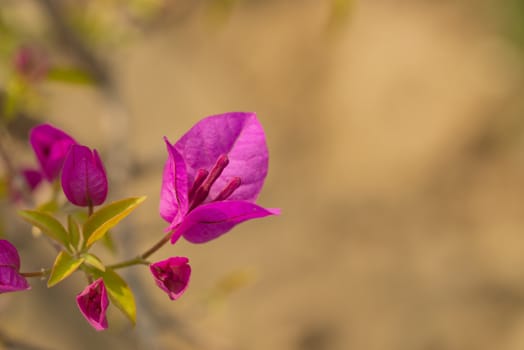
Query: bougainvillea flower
column 93, row 303
column 30, row 179
column 31, row 63
column 213, row 176
column 10, row 278
column 84, row 178
column 172, row 275
column 50, row 146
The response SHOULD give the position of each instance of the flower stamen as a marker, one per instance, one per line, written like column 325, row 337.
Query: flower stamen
column 199, row 178
column 231, row 186
column 202, row 191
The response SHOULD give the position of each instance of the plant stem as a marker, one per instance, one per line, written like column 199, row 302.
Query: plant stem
column 126, row 263
column 157, row 246
column 90, row 209
column 142, row 258
column 42, row 273
column 7, row 160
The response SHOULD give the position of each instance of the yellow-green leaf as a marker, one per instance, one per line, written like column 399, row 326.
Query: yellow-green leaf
column 47, row 224
column 64, row 266
column 94, row 261
column 120, row 294
column 107, row 217
column 74, row 231
column 70, row 75
column 108, row 242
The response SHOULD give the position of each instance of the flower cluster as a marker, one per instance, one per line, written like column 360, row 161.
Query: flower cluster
column 211, row 179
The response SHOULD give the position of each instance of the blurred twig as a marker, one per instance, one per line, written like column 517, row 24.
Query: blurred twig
column 73, row 43
column 503, row 123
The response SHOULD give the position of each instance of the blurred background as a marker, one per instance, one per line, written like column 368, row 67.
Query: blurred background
column 395, row 131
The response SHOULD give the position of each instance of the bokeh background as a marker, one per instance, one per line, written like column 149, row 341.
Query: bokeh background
column 395, row 131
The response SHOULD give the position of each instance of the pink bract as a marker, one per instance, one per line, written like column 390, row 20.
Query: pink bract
column 93, row 303
column 10, row 278
column 84, row 178
column 172, row 275
column 213, row 176
column 50, row 146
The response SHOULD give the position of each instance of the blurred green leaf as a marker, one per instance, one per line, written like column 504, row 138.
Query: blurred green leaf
column 220, row 10
column 340, row 11
column 15, row 95
column 80, row 216
column 227, row 285
column 511, row 14
column 120, row 293
column 107, row 217
column 3, row 187
column 63, row 267
column 47, row 224
column 50, row 206
column 70, row 75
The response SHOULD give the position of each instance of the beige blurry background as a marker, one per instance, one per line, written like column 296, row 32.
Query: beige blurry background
column 396, row 155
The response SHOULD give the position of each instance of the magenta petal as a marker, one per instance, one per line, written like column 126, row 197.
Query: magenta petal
column 174, row 191
column 238, row 135
column 32, row 177
column 10, row 278
column 93, row 303
column 84, row 179
column 50, row 146
column 9, row 255
column 212, row 220
column 172, row 275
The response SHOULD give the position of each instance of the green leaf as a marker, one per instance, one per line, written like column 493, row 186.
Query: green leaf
column 80, row 216
column 15, row 96
column 120, row 294
column 49, row 207
column 94, row 261
column 107, row 217
column 70, row 75
column 74, row 231
column 3, row 186
column 47, row 224
column 108, row 242
column 64, row 266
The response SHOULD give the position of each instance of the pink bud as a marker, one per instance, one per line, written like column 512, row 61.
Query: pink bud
column 84, row 179
column 172, row 275
column 93, row 303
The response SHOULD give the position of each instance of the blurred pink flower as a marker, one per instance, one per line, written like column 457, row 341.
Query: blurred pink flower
column 27, row 179
column 50, row 146
column 31, row 62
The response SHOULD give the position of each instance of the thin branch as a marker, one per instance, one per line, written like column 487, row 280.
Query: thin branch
column 72, row 42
